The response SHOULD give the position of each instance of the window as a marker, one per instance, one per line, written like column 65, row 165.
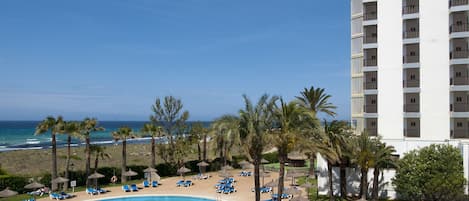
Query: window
column 459, row 124
column 373, row 101
column 458, row 74
column 412, row 77
column 459, row 99
column 412, row 123
column 412, row 100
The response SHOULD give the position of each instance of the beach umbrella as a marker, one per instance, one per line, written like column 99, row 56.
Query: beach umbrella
column 202, row 165
column 156, row 176
column 150, row 170
column 60, row 180
column 183, row 170
column 130, row 173
column 7, row 193
column 96, row 176
column 34, row 185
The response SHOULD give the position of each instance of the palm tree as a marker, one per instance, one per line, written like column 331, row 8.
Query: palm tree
column 226, row 135
column 70, row 129
column 290, row 121
column 383, row 158
column 333, row 141
column 154, row 131
column 365, row 159
column 123, row 133
column 54, row 125
column 255, row 120
column 315, row 100
column 99, row 152
column 197, row 132
column 88, row 126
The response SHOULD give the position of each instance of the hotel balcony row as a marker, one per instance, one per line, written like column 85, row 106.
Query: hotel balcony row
column 454, row 3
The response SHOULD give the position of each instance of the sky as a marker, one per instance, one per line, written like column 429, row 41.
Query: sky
column 111, row 59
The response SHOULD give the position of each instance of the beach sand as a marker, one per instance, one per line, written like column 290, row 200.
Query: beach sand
column 201, row 188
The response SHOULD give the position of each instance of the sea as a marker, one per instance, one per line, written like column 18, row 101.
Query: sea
column 19, row 135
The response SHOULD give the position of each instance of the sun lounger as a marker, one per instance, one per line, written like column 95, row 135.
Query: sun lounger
column 133, row 187
column 66, row 195
column 284, row 196
column 56, row 196
column 146, row 184
column 154, row 183
column 91, row 191
column 228, row 190
column 188, row 183
column 180, row 183
column 126, row 188
column 264, row 189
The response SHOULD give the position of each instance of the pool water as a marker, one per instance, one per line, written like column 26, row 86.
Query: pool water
column 158, row 198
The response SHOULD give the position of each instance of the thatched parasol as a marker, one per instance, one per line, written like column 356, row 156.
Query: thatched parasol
column 96, row 176
column 60, row 180
column 183, row 170
column 202, row 165
column 130, row 173
column 7, row 193
column 148, row 172
column 34, row 185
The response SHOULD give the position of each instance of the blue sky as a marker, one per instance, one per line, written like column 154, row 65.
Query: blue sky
column 110, row 59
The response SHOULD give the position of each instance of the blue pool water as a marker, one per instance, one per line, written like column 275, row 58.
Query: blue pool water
column 158, row 198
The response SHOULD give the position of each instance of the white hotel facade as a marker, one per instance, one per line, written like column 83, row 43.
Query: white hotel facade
column 409, row 76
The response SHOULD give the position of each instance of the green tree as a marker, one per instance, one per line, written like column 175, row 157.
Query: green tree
column 383, row 159
column 316, row 100
column 122, row 134
column 255, row 120
column 99, row 152
column 431, row 173
column 170, row 116
column 332, row 149
column 70, row 129
column 153, row 131
column 364, row 157
column 54, row 126
column 225, row 136
column 87, row 127
column 198, row 131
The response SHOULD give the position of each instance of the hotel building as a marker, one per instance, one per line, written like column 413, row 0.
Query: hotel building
column 410, row 74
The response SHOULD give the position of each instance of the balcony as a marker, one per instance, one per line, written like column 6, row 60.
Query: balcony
column 459, row 80
column 370, row 85
column 459, row 107
column 411, row 132
column 459, row 54
column 411, row 83
column 370, row 62
column 411, row 59
column 410, row 9
column 410, row 34
column 370, row 15
column 459, row 27
column 372, row 108
column 411, row 107
column 460, row 133
column 372, row 131
column 457, row 3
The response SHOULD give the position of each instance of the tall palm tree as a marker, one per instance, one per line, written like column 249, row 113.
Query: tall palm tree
column 123, row 133
column 255, row 120
column 290, row 120
column 333, row 150
column 70, row 128
column 365, row 159
column 88, row 126
column 197, row 132
column 226, row 135
column 316, row 100
column 153, row 131
column 383, row 158
column 54, row 125
column 99, row 152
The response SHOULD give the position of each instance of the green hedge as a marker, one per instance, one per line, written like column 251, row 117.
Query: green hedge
column 15, row 183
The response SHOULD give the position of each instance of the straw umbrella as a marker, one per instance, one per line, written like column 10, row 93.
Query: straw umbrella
column 130, row 173
column 34, row 185
column 202, row 165
column 96, row 176
column 150, row 170
column 183, row 170
column 60, row 180
column 7, row 193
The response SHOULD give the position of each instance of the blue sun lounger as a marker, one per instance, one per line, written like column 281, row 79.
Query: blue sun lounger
column 126, row 188
column 146, row 184
column 91, row 191
column 133, row 187
column 154, row 183
column 56, row 196
column 188, row 183
column 180, row 183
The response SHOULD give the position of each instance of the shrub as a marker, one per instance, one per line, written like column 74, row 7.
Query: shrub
column 431, row 173
column 271, row 157
column 14, row 182
column 165, row 169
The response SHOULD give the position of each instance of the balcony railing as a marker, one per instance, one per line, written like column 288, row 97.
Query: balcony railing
column 370, row 15
column 457, row 3
column 459, row 54
column 464, row 27
column 370, row 39
column 411, row 83
column 411, row 59
column 409, row 9
column 459, row 80
column 460, row 133
column 410, row 34
column 370, row 62
column 371, row 108
column 411, row 107
column 372, row 131
column 411, row 132
column 459, row 107
column 370, row 85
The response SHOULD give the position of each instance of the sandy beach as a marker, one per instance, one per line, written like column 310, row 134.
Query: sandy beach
column 201, row 188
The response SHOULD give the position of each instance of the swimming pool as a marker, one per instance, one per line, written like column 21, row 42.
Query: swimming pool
column 157, row 198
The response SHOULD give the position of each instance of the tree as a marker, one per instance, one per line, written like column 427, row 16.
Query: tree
column 153, row 131
column 383, row 158
column 332, row 150
column 431, row 173
column 315, row 100
column 364, row 157
column 255, row 120
column 225, row 136
column 170, row 116
column 290, row 120
column 88, row 126
column 99, row 152
column 122, row 134
column 198, row 131
column 70, row 129
column 54, row 126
